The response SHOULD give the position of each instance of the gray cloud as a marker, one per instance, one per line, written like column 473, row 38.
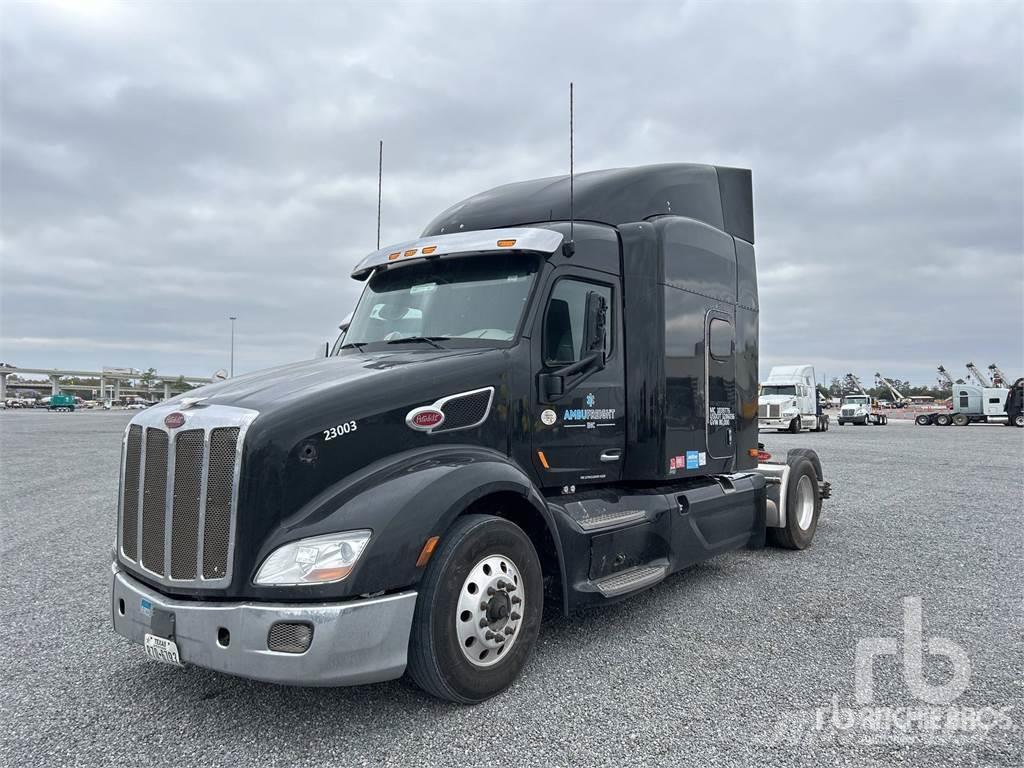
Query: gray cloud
column 164, row 166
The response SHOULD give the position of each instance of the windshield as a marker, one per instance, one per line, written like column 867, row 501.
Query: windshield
column 476, row 299
column 856, row 399
column 778, row 389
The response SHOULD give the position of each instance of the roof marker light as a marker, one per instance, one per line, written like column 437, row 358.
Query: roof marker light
column 393, row 256
column 428, row 250
column 506, row 243
column 410, row 252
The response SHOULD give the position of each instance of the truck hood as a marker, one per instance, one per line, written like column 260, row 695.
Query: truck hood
column 274, row 389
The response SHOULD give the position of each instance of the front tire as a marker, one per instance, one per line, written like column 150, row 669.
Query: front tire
column 484, row 580
column 795, row 425
column 1018, row 420
column 961, row 420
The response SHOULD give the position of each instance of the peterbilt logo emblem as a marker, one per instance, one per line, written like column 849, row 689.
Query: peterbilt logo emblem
column 425, row 419
column 174, row 420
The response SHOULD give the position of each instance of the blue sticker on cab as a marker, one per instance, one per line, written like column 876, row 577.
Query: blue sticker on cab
column 146, row 606
column 692, row 459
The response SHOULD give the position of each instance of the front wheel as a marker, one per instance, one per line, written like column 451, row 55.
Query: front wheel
column 478, row 612
column 1018, row 420
column 795, row 425
column 961, row 420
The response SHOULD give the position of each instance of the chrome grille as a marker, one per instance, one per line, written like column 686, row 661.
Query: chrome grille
column 130, row 491
column 217, row 530
column 188, row 482
column 769, row 411
column 178, row 499
column 154, row 500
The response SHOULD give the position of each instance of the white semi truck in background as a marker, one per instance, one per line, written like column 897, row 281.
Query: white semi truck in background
column 788, row 400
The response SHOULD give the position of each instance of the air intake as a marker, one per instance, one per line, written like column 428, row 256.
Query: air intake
column 465, row 410
column 290, row 637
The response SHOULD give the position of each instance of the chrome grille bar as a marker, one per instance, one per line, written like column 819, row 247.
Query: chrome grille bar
column 178, row 500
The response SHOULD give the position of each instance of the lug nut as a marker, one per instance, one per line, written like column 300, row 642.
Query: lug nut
column 484, row 622
column 499, row 638
column 509, row 631
column 516, row 600
column 510, row 587
column 515, row 616
column 490, row 590
column 489, row 635
column 501, row 584
column 484, row 606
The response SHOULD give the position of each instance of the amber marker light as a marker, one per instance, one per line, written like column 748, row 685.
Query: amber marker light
column 427, row 551
column 506, row 243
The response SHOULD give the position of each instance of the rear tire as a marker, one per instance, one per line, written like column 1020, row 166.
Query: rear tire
column 923, row 420
column 438, row 661
column 803, row 507
column 961, row 419
column 943, row 420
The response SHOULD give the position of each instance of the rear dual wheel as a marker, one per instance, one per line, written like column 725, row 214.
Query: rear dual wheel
column 943, row 420
column 803, row 507
column 478, row 611
column 923, row 420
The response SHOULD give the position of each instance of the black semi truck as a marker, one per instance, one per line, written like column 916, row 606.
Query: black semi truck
column 529, row 404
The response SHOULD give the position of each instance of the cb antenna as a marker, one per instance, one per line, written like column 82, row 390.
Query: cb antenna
column 570, row 247
column 380, row 179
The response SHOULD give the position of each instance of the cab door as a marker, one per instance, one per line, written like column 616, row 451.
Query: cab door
column 720, row 362
column 579, row 436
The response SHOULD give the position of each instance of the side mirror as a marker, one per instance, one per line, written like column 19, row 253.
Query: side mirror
column 595, row 329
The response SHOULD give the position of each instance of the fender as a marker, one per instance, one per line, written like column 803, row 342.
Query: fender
column 404, row 500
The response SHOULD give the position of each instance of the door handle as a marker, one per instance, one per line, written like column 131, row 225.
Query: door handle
column 613, row 455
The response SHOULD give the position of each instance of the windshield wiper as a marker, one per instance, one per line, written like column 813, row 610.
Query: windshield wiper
column 431, row 340
column 356, row 344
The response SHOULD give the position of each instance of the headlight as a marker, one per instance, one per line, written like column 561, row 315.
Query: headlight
column 316, row 560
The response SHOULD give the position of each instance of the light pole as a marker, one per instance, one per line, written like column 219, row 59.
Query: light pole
column 232, row 318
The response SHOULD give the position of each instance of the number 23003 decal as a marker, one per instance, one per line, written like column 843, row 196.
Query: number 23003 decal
column 340, row 430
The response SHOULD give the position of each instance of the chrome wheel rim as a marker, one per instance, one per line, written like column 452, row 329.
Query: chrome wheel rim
column 490, row 610
column 804, row 502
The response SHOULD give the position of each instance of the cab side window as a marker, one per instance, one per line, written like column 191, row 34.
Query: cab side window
column 720, row 339
column 565, row 317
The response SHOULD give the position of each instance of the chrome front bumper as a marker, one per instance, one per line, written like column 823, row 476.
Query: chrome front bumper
column 354, row 642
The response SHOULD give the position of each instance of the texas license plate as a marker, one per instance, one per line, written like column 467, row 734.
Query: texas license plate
column 162, row 649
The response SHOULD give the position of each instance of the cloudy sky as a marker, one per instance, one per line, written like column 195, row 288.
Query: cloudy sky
column 166, row 165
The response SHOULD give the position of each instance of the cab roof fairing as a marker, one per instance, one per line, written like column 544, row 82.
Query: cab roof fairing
column 528, row 239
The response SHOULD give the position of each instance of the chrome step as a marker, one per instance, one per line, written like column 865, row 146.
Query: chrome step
column 631, row 580
column 611, row 519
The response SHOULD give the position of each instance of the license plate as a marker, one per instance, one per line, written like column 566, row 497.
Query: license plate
column 162, row 649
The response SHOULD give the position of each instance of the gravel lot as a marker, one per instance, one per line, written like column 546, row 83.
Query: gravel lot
column 724, row 664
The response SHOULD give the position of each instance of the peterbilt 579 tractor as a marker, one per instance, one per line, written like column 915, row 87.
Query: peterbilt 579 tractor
column 525, row 407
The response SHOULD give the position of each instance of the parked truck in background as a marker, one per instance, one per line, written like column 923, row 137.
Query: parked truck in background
column 860, row 409
column 788, row 400
column 523, row 408
column 61, row 403
column 973, row 404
